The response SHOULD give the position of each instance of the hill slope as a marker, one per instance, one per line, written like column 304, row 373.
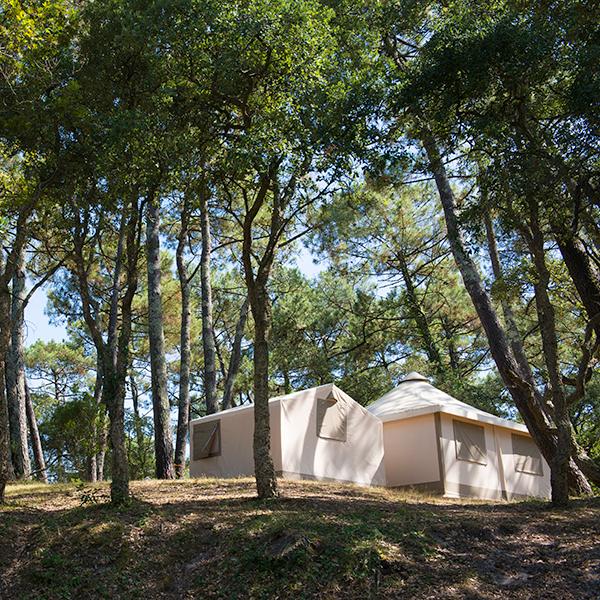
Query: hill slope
column 212, row 538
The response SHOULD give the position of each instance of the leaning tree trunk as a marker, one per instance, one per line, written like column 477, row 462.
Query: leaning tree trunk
column 163, row 443
column 522, row 390
column 236, row 356
column 208, row 341
column 36, row 441
column 15, row 375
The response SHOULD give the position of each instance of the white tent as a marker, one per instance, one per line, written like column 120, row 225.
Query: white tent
column 319, row 433
column 434, row 442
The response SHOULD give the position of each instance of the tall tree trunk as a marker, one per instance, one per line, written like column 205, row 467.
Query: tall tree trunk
column 113, row 392
column 15, row 374
column 522, row 389
column 114, row 352
column 512, row 329
column 36, row 442
column 208, row 342
column 547, row 321
column 236, row 356
column 5, row 458
column 266, row 481
column 163, row 443
column 99, row 431
column 137, row 424
column 256, row 284
column 183, row 405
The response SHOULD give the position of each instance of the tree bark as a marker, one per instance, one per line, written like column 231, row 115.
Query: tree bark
column 114, row 352
column 266, row 481
column 15, row 374
column 163, row 443
column 236, row 356
column 183, row 405
column 512, row 328
column 547, row 321
column 208, row 342
column 521, row 388
column 36, row 442
column 584, row 276
column 97, row 461
column 429, row 345
column 264, row 470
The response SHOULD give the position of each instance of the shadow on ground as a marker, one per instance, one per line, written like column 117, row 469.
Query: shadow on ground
column 212, row 538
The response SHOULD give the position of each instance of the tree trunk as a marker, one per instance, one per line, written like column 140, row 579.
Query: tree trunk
column 547, row 321
column 522, row 389
column 183, row 405
column 36, row 442
column 236, row 356
column 113, row 392
column 163, row 443
column 512, row 329
column 582, row 273
column 98, row 433
column 5, row 459
column 429, row 345
column 264, row 471
column 137, row 425
column 208, row 342
column 266, row 481
column 15, row 375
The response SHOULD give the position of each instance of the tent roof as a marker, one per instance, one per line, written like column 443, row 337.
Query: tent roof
column 415, row 396
column 328, row 388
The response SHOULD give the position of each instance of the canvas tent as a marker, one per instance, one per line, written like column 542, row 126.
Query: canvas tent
column 319, row 433
column 433, row 441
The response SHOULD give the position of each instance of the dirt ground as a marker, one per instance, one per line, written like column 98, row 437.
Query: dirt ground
column 214, row 539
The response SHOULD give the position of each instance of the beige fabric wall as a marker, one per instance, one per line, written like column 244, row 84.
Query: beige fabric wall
column 520, row 484
column 411, row 451
column 236, row 458
column 465, row 478
column 359, row 458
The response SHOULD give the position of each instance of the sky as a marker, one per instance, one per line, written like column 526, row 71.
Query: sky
column 38, row 326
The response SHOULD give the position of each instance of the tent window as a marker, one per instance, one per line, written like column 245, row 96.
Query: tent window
column 470, row 442
column 331, row 419
column 527, row 455
column 207, row 440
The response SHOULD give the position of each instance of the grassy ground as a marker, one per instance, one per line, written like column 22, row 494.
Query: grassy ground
column 212, row 538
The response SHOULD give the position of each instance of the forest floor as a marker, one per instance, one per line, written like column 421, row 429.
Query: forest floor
column 213, row 539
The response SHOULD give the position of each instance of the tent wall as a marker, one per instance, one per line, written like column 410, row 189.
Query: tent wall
column 464, row 478
column 305, row 455
column 520, row 484
column 236, row 456
column 411, row 457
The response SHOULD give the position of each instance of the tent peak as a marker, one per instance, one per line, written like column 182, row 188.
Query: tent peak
column 414, row 376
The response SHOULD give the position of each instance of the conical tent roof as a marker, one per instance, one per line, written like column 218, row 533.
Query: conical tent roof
column 415, row 396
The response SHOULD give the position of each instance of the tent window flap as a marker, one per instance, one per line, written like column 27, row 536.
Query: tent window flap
column 470, row 442
column 207, row 440
column 527, row 455
column 331, row 419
